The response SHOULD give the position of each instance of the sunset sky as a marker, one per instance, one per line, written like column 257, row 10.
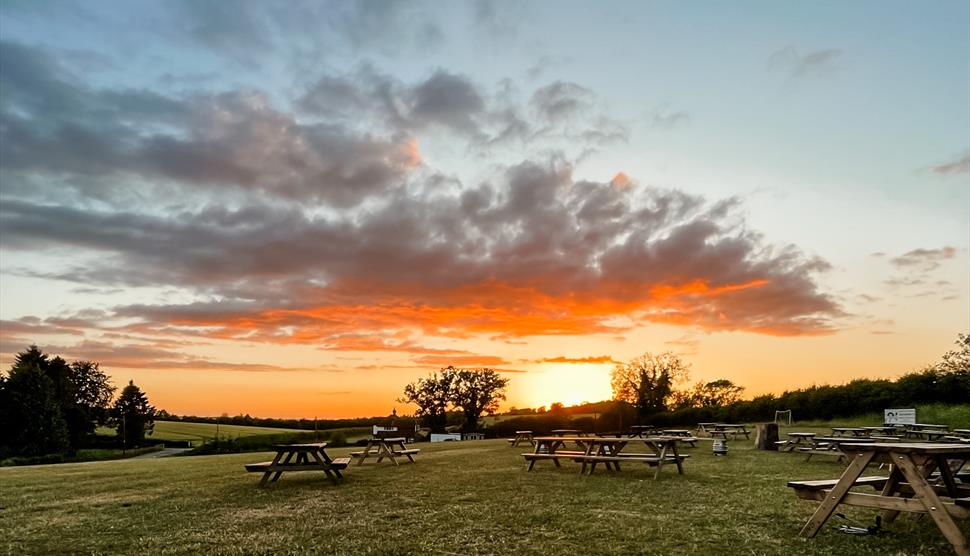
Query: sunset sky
column 293, row 209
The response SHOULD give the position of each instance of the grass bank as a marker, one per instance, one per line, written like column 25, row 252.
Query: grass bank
column 459, row 498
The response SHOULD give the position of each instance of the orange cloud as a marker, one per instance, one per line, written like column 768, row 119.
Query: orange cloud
column 462, row 361
column 621, row 181
column 579, row 360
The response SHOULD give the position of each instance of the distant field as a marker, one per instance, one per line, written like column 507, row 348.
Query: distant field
column 472, row 497
column 199, row 432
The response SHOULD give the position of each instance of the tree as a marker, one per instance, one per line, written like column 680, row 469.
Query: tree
column 647, row 382
column 31, row 423
column 92, row 392
column 475, row 392
column 133, row 415
column 956, row 360
column 81, row 392
column 432, row 396
column 717, row 393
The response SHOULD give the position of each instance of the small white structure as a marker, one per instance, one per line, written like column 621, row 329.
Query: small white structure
column 900, row 417
column 445, row 437
column 472, row 436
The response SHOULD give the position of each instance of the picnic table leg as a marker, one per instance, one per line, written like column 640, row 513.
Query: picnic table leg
column 386, row 452
column 660, row 463
column 269, row 471
column 927, row 496
column 680, row 467
column 403, row 448
column 286, row 460
column 532, row 462
column 326, row 469
column 835, row 496
column 589, row 450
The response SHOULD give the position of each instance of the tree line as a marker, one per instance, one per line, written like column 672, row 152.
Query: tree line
column 50, row 406
column 647, row 384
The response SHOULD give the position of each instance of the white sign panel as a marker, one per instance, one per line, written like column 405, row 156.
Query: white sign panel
column 900, row 417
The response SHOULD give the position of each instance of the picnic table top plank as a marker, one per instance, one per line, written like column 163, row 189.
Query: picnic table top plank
column 911, row 447
column 311, row 447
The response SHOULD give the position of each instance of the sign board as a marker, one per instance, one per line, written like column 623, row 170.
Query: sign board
column 379, row 429
column 900, row 417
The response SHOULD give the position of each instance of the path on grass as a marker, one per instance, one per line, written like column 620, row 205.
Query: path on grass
column 162, row 453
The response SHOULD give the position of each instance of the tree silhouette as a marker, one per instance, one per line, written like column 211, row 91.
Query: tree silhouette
column 476, row 392
column 31, row 423
column 133, row 415
column 647, row 382
column 432, row 395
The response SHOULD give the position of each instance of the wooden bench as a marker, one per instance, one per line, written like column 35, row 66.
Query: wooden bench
column 406, row 452
column 687, row 440
column 652, row 460
column 875, row 482
column 821, row 451
column 264, row 466
column 532, row 457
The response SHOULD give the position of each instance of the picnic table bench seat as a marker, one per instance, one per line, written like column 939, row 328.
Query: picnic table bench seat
column 265, row 466
column 821, row 451
column 406, row 452
column 875, row 481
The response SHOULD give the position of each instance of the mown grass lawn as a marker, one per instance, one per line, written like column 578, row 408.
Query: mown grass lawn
column 459, row 498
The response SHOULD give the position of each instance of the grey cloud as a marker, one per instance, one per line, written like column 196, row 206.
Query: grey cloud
column 798, row 65
column 669, row 120
column 955, row 167
column 924, row 259
column 53, row 125
column 453, row 103
column 238, row 30
column 449, row 100
column 534, row 227
column 561, row 101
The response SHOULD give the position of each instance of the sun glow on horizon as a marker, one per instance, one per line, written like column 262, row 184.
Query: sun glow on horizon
column 568, row 384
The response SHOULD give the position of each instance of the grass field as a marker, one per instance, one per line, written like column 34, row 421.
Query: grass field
column 459, row 498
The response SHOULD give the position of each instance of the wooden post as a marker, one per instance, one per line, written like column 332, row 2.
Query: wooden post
column 766, row 435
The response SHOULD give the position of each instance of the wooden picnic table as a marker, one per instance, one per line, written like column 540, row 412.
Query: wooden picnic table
column 925, row 426
column 887, row 431
column 797, row 440
column 906, row 489
column 309, row 457
column 639, row 431
column 705, row 428
column 854, row 431
column 922, row 431
column 567, row 432
column 390, row 448
column 522, row 436
column 608, row 451
column 724, row 429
